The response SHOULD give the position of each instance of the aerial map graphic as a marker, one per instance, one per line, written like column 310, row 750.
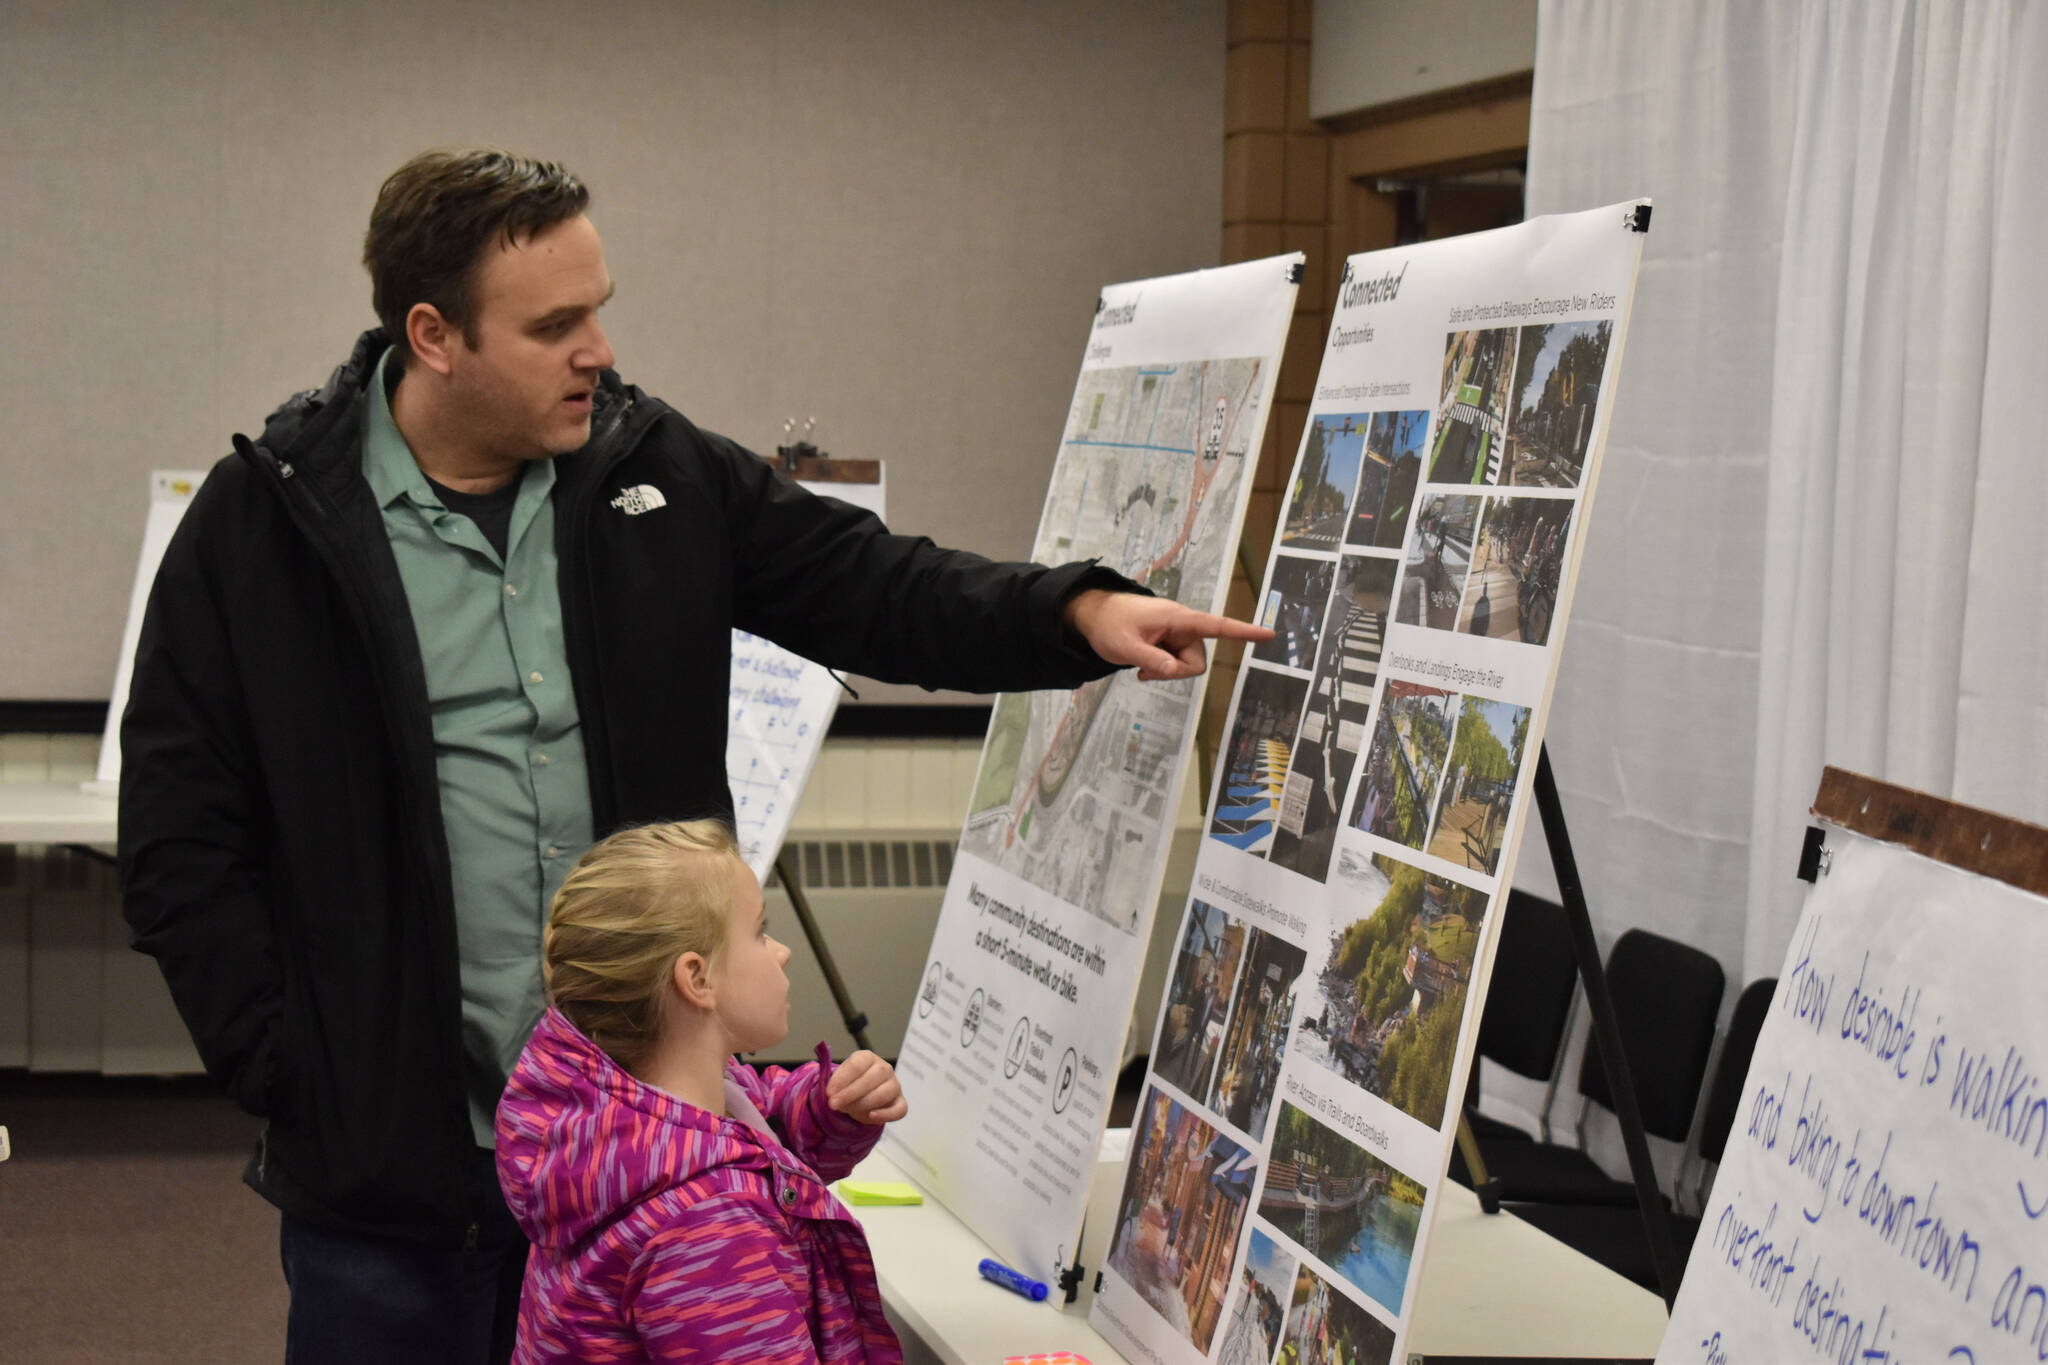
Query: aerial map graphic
column 1072, row 791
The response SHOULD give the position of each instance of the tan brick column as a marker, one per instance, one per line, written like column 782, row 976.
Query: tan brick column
column 1276, row 172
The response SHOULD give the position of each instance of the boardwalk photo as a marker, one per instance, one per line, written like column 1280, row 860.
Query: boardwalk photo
column 1256, row 758
column 1558, row 373
column 1179, row 1216
column 1324, row 1327
column 1438, row 558
column 1479, row 783
column 1342, row 1205
column 1334, row 720
column 1319, row 504
column 1511, row 591
column 1471, row 419
column 1411, row 740
column 1385, row 995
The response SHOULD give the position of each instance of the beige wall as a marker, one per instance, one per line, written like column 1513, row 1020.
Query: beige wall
column 894, row 216
column 1375, row 52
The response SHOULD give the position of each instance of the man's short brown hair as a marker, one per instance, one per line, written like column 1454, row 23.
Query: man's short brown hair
column 436, row 216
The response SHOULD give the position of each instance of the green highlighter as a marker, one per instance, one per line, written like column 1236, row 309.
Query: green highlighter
column 859, row 1192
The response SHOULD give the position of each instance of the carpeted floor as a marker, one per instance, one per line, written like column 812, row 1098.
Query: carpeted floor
column 126, row 1234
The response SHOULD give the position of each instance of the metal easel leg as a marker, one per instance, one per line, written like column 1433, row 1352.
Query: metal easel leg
column 1607, row 1031
column 856, row 1022
column 1483, row 1185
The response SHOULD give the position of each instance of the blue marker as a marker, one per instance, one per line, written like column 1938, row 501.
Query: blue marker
column 1016, row 1281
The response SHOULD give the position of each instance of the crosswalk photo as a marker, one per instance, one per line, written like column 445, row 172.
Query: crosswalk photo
column 1471, row 429
column 1334, row 721
column 1297, row 595
column 1325, row 482
column 1256, row 759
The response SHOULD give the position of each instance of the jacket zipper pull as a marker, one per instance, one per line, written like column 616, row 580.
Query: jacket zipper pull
column 469, row 1240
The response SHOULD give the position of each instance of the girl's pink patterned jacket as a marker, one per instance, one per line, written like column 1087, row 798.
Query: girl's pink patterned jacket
column 664, row 1233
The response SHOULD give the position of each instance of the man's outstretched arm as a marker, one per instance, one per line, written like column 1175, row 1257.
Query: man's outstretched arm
column 1161, row 638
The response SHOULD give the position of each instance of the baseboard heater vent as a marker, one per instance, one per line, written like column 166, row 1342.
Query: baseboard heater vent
column 879, row 863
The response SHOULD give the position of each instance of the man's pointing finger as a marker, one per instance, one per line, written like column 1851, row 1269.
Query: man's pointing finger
column 1210, row 626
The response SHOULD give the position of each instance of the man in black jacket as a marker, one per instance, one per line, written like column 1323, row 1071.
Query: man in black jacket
column 452, row 617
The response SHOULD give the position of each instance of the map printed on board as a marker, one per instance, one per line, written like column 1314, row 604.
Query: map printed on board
column 1073, row 791
column 1017, row 1032
column 1321, row 1006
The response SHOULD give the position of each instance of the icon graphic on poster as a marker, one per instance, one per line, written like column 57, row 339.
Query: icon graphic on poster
column 970, row 1022
column 928, row 994
column 1020, row 1039
column 1063, row 1088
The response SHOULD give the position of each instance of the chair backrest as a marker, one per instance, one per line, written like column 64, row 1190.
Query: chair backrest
column 1667, row 996
column 1724, row 1097
column 1529, row 996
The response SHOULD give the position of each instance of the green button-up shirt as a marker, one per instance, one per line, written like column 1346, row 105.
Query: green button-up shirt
column 508, row 744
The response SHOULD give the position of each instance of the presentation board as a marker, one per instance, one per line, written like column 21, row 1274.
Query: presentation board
column 170, row 493
column 1322, row 1005
column 1883, row 1192
column 1015, row 1038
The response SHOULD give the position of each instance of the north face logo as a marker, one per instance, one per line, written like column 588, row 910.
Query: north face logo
column 642, row 497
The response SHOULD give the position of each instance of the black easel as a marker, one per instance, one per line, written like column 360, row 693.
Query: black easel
column 1607, row 1033
column 799, row 458
column 856, row 1021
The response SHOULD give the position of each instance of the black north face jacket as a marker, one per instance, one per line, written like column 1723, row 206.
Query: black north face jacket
column 282, row 853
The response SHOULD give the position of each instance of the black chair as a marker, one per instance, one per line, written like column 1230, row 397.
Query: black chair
column 1731, row 1074
column 1528, row 1007
column 1667, row 996
column 1614, row 1236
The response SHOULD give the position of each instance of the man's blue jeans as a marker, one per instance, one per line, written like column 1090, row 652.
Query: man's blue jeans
column 357, row 1298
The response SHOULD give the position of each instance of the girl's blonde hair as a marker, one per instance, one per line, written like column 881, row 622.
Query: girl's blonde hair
column 631, row 906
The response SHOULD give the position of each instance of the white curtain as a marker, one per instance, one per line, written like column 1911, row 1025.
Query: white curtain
column 1814, row 539
column 2001, row 749
column 1653, row 728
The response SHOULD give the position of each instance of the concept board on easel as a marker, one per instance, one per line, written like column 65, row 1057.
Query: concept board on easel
column 1016, row 1035
column 1884, row 1195
column 1322, row 1008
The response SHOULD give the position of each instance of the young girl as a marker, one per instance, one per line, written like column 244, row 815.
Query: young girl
column 676, row 1200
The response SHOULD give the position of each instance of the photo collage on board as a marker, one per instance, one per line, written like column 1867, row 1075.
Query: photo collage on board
column 1186, row 1187
column 1395, row 794
column 1383, row 1004
column 1302, row 713
column 1216, row 1061
column 1223, row 1027
column 1305, row 1057
column 1343, row 1206
column 1515, row 411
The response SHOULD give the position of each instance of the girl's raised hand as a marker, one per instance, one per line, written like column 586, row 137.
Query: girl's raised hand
column 865, row 1088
